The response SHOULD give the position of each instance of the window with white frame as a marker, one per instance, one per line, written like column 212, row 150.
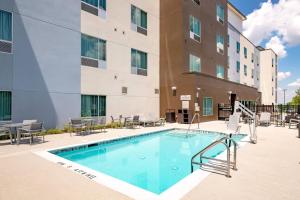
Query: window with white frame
column 139, row 62
column 139, row 20
column 220, row 13
column 220, row 71
column 207, row 106
column 195, row 29
column 220, row 44
column 195, row 64
column 6, row 36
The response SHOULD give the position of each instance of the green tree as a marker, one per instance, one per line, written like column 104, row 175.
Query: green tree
column 296, row 99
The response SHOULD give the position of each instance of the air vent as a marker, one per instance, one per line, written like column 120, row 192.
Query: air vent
column 197, row 38
column 220, row 20
column 221, row 51
column 197, row 1
column 141, row 72
column 124, row 90
column 5, row 47
column 89, row 9
column 89, row 62
column 156, row 91
column 141, row 30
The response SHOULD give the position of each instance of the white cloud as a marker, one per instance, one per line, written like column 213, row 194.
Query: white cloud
column 277, row 45
column 283, row 75
column 279, row 23
column 295, row 83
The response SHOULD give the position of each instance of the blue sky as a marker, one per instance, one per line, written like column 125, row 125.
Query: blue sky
column 289, row 64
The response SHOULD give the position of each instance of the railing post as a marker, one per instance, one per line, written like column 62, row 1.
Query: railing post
column 228, row 163
column 299, row 130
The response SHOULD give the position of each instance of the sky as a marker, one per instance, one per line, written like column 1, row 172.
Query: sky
column 276, row 24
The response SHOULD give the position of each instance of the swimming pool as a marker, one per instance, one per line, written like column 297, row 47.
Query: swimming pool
column 153, row 162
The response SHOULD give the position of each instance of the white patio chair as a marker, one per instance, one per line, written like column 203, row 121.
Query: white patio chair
column 34, row 129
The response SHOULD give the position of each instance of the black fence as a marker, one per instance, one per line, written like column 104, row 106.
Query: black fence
column 225, row 110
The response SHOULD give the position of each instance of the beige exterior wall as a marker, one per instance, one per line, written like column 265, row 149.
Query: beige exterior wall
column 268, row 77
column 120, row 38
column 250, row 62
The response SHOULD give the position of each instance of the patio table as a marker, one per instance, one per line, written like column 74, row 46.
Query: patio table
column 13, row 131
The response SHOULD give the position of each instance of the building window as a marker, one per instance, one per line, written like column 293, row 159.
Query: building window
column 93, row 51
column 220, row 71
column 195, row 63
column 245, row 70
column 5, row 31
column 272, row 62
column 252, row 73
column 139, row 62
column 195, row 29
column 5, row 105
column 196, row 1
column 252, row 57
column 138, row 20
column 245, row 52
column 238, row 66
column 95, row 7
column 207, row 106
column 220, row 13
column 220, row 44
column 238, row 47
column 93, row 106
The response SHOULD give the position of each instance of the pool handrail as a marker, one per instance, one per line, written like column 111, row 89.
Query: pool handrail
column 224, row 140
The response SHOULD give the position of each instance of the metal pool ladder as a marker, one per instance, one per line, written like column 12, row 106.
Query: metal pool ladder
column 217, row 165
column 197, row 114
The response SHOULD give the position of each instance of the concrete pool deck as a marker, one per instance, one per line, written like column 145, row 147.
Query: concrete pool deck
column 268, row 170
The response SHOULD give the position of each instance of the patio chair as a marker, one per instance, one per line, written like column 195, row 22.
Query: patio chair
column 78, row 126
column 294, row 121
column 117, row 121
column 5, row 132
column 34, row 129
column 265, row 119
column 133, row 123
column 27, row 123
column 101, row 123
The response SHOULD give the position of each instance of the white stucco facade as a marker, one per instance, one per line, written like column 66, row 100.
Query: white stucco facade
column 268, row 76
column 258, row 62
column 115, row 29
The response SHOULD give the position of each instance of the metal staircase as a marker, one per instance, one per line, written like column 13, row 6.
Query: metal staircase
column 252, row 126
column 213, row 164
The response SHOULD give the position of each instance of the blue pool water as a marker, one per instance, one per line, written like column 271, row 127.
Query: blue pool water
column 153, row 162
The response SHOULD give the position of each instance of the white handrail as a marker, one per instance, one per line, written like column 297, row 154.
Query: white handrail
column 239, row 106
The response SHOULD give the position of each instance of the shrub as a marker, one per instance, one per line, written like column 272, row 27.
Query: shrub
column 54, row 131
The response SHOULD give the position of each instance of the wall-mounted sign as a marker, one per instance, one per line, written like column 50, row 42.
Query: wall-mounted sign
column 185, row 97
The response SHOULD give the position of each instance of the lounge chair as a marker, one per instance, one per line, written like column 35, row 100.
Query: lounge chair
column 34, row 129
column 265, row 119
column 294, row 121
column 78, row 126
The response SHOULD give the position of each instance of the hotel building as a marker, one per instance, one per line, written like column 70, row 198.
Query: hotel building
column 99, row 58
column 195, row 73
column 70, row 59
